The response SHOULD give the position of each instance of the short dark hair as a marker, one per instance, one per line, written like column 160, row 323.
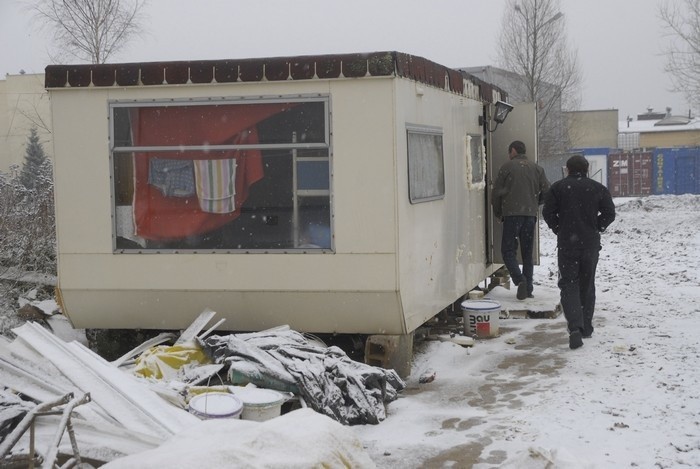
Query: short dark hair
column 577, row 164
column 518, row 146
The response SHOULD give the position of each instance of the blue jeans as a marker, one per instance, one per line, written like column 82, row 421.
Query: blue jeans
column 519, row 229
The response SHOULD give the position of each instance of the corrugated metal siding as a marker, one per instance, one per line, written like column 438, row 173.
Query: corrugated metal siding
column 663, row 166
column 630, row 174
column 687, row 167
column 676, row 171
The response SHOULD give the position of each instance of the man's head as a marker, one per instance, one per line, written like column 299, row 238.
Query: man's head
column 577, row 164
column 516, row 148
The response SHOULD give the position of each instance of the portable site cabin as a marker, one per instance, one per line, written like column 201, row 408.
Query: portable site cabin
column 336, row 194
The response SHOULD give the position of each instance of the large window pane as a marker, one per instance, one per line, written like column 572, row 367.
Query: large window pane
column 214, row 124
column 232, row 177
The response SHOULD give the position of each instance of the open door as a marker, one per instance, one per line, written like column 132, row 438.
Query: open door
column 521, row 124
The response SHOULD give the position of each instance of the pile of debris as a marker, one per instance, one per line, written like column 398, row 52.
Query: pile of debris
column 113, row 409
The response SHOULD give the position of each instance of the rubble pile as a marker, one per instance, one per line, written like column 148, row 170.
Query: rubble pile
column 139, row 401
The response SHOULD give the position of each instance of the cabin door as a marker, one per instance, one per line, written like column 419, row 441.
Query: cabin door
column 521, row 124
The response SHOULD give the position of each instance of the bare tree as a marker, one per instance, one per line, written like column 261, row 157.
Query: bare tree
column 533, row 46
column 681, row 21
column 90, row 30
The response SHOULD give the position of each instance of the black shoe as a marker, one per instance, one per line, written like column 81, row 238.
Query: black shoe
column 530, row 295
column 587, row 333
column 522, row 290
column 575, row 340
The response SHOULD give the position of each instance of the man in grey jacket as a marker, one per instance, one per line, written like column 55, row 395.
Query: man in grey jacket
column 517, row 194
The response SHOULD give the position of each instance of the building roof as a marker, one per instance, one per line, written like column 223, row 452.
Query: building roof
column 268, row 69
column 667, row 124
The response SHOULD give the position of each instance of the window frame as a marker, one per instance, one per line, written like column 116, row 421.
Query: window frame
column 324, row 146
column 421, row 163
column 471, row 140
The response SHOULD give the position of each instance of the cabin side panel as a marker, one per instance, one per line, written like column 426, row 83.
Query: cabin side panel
column 442, row 246
column 107, row 287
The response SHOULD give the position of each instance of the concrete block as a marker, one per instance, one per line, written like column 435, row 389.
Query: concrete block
column 390, row 352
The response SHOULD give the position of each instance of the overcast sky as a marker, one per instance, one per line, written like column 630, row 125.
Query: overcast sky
column 619, row 42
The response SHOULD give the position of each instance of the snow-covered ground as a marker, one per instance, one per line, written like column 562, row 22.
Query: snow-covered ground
column 630, row 397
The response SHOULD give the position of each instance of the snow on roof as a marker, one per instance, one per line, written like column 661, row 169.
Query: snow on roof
column 667, row 124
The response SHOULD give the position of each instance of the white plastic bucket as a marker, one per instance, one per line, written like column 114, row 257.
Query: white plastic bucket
column 216, row 405
column 481, row 317
column 260, row 404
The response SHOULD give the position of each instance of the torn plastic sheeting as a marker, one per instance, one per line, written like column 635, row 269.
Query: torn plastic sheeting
column 329, row 381
column 166, row 361
column 241, row 373
column 351, row 392
column 249, row 361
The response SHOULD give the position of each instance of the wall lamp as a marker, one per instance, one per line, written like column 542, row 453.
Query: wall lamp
column 502, row 111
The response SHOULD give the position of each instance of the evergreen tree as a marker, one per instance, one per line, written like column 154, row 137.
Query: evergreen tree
column 34, row 161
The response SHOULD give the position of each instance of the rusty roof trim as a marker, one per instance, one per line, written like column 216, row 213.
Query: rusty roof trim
column 265, row 69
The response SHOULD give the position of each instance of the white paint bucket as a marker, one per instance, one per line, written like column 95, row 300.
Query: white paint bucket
column 216, row 405
column 260, row 404
column 481, row 317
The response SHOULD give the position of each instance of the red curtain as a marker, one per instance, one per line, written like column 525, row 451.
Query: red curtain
column 157, row 217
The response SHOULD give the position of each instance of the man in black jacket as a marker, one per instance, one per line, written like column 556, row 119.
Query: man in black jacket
column 577, row 210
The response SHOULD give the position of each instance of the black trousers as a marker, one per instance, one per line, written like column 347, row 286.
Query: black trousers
column 519, row 229
column 577, row 286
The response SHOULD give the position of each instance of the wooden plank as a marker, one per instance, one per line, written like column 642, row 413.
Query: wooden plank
column 121, row 395
column 157, row 340
column 196, row 327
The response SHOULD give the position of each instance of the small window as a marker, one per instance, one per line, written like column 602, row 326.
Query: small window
column 475, row 159
column 426, row 168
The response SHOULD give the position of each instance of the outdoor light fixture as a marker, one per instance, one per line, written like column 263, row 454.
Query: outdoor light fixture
column 502, row 111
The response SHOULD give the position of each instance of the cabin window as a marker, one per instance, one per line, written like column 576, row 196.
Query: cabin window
column 426, row 169
column 222, row 175
column 475, row 158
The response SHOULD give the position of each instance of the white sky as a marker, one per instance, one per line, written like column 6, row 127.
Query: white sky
column 619, row 42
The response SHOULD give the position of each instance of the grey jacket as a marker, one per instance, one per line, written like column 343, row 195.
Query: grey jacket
column 519, row 188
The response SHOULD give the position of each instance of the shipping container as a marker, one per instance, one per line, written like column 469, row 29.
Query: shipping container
column 630, row 173
column 676, row 170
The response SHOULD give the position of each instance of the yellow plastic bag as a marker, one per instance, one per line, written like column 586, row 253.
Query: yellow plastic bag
column 164, row 361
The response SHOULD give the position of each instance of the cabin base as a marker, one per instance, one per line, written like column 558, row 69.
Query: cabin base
column 390, row 352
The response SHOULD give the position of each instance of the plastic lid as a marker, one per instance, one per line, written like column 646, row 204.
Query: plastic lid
column 480, row 304
column 216, row 404
column 259, row 397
